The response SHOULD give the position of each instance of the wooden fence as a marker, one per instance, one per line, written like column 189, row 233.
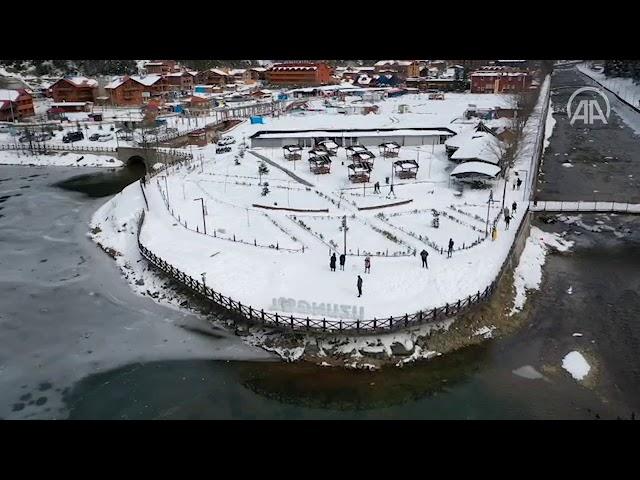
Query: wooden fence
column 324, row 325
column 42, row 147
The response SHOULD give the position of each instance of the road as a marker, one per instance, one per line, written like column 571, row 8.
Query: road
column 597, row 162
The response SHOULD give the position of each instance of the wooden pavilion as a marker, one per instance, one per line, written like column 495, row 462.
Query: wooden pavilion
column 328, row 146
column 358, row 173
column 292, row 152
column 320, row 164
column 405, row 168
column 389, row 149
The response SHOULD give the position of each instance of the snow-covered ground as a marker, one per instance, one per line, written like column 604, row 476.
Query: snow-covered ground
column 575, row 363
column 528, row 273
column 263, row 277
column 58, row 159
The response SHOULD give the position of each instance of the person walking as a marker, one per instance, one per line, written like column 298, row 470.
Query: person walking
column 494, row 233
column 391, row 192
column 359, row 285
column 507, row 219
column 343, row 257
column 367, row 264
column 332, row 262
column 518, row 183
column 450, row 251
column 376, row 187
column 424, row 254
column 514, row 205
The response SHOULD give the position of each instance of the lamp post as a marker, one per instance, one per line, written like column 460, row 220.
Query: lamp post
column 204, row 223
column 345, row 228
column 486, row 228
column 166, row 188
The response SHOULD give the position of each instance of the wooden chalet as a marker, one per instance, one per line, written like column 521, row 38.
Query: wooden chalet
column 292, row 152
column 405, row 168
column 320, row 164
column 358, row 173
column 389, row 149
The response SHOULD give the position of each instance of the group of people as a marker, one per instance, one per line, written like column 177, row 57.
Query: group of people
column 342, row 259
column 507, row 215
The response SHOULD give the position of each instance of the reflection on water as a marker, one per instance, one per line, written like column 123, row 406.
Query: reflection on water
column 104, row 183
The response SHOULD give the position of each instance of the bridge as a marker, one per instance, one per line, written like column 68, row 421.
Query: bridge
column 580, row 206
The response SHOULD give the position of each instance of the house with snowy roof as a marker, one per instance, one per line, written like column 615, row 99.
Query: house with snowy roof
column 299, row 74
column 74, row 89
column 213, row 76
column 134, row 90
column 15, row 105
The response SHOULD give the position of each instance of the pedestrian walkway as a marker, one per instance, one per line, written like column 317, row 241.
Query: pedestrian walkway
column 288, row 172
column 584, row 207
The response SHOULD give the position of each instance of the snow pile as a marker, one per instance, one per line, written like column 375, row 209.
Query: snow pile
column 486, row 332
column 550, row 123
column 528, row 273
column 576, row 365
column 58, row 159
column 528, row 372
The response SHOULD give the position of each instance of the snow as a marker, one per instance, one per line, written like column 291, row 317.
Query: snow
column 8, row 157
column 278, row 268
column 486, row 332
column 476, row 167
column 550, row 124
column 481, row 147
column 11, row 95
column 576, row 365
column 528, row 273
column 528, row 372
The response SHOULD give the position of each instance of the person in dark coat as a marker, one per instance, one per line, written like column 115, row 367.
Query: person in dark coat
column 450, row 250
column 332, row 262
column 424, row 254
column 376, row 187
column 391, row 192
column 343, row 258
column 514, row 205
column 518, row 183
column 507, row 219
column 359, row 284
column 367, row 264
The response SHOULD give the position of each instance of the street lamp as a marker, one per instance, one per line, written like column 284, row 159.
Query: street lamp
column 345, row 228
column 486, row 228
column 204, row 223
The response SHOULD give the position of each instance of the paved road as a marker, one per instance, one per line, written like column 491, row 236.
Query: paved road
column 604, row 159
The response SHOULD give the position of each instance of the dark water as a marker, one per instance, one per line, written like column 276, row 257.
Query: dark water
column 104, row 183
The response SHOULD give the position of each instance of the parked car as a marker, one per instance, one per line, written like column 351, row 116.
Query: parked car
column 101, row 137
column 226, row 141
column 73, row 137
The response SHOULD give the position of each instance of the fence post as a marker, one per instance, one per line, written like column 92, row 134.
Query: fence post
column 276, row 318
column 420, row 316
column 406, row 319
column 291, row 322
column 324, row 324
column 262, row 314
column 434, row 312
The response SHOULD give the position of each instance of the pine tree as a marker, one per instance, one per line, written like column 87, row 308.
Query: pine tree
column 265, row 189
column 262, row 170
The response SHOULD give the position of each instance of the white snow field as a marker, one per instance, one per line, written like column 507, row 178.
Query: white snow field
column 277, row 257
column 576, row 365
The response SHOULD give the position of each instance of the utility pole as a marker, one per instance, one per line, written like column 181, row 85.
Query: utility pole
column 204, row 223
column 166, row 188
column 345, row 228
column 486, row 228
